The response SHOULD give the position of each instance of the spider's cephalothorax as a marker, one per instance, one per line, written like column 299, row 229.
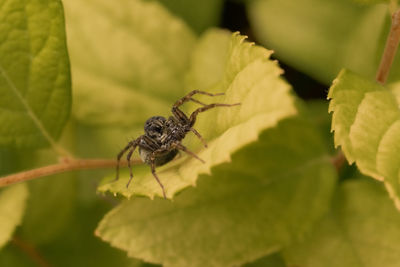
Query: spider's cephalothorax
column 162, row 138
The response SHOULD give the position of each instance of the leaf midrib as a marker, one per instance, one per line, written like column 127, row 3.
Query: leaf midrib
column 26, row 106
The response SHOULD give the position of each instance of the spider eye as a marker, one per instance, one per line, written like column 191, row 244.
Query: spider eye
column 154, row 126
column 157, row 129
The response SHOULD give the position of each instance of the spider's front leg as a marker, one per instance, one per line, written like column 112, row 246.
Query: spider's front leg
column 128, row 158
column 132, row 145
column 188, row 97
column 193, row 116
column 181, row 116
column 153, row 169
column 179, row 113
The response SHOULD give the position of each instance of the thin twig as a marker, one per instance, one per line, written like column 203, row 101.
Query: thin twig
column 30, row 251
column 392, row 44
column 68, row 165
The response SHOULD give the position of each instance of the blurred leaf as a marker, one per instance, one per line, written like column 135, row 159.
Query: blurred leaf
column 128, row 59
column 274, row 260
column 50, row 208
column 34, row 73
column 209, row 57
column 317, row 111
column 362, row 230
column 320, row 37
column 366, row 121
column 8, row 160
column 249, row 78
column 200, row 15
column 371, row 2
column 12, row 257
column 269, row 195
column 12, row 207
column 79, row 247
column 75, row 247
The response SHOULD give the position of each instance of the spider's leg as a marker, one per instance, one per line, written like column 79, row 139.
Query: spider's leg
column 153, row 171
column 179, row 113
column 128, row 157
column 199, row 136
column 184, row 149
column 193, row 116
column 120, row 154
column 188, row 97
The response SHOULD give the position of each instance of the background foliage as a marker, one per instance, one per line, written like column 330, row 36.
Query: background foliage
column 268, row 194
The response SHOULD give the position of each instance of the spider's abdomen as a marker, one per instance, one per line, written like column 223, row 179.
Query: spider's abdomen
column 160, row 159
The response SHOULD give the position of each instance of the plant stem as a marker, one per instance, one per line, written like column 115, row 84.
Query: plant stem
column 392, row 43
column 67, row 165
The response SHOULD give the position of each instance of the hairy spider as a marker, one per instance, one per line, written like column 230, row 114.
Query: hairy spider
column 162, row 137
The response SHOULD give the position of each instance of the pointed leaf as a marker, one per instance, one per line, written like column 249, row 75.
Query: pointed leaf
column 250, row 78
column 34, row 73
column 267, row 197
column 361, row 231
column 12, row 207
column 366, row 121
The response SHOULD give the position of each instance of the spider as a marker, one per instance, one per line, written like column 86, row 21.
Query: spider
column 162, row 137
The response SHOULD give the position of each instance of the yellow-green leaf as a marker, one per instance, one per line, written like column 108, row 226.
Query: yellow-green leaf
column 12, row 208
column 128, row 59
column 362, row 230
column 270, row 195
column 35, row 89
column 249, row 77
column 366, row 122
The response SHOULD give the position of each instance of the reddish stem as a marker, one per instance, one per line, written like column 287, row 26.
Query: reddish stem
column 392, row 44
column 70, row 165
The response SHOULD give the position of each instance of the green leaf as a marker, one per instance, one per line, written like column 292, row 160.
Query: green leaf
column 128, row 59
column 34, row 73
column 209, row 59
column 371, row 2
column 361, row 231
column 12, row 207
column 249, row 78
column 274, row 260
column 321, row 37
column 75, row 246
column 366, row 121
column 200, row 15
column 47, row 217
column 79, row 247
column 267, row 197
column 8, row 160
column 317, row 111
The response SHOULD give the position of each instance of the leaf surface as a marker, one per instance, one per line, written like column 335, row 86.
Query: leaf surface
column 321, row 37
column 127, row 59
column 366, row 122
column 268, row 196
column 50, row 208
column 199, row 15
column 361, row 231
column 35, row 93
column 273, row 260
column 12, row 208
column 249, row 77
